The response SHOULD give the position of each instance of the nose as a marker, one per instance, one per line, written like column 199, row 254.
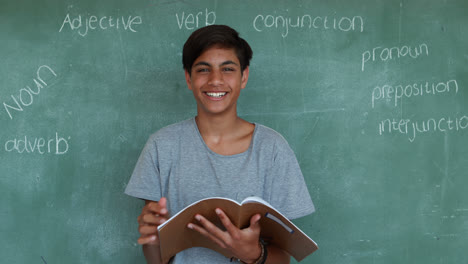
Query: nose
column 216, row 78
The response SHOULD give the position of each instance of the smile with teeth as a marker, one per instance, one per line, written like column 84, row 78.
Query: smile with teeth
column 216, row 95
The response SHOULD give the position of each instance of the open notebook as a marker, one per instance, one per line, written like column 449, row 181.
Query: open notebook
column 276, row 229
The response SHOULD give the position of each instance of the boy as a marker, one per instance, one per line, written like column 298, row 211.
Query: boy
column 217, row 154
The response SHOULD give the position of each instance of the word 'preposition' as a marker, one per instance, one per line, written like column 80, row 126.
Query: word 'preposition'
column 394, row 94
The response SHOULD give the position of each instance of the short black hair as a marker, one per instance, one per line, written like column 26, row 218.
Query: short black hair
column 215, row 35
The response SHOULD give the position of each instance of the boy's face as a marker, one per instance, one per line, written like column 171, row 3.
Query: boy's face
column 216, row 80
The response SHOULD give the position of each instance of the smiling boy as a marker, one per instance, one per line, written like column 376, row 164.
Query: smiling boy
column 219, row 154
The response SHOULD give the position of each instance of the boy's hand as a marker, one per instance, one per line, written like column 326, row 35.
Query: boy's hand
column 242, row 243
column 152, row 215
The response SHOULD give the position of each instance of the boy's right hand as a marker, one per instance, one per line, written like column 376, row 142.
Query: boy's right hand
column 152, row 215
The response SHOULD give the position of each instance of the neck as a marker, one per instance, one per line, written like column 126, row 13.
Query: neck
column 218, row 125
column 225, row 134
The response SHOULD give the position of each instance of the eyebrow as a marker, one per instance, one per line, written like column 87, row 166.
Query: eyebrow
column 203, row 63
column 228, row 62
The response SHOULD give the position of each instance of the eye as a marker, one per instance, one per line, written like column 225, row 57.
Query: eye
column 201, row 70
column 228, row 69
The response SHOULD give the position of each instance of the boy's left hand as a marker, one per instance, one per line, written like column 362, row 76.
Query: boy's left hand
column 242, row 243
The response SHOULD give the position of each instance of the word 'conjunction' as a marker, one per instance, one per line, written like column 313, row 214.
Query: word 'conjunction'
column 284, row 24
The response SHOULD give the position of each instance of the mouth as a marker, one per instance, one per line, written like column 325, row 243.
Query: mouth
column 216, row 95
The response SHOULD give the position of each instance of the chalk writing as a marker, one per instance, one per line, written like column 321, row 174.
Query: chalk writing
column 413, row 128
column 386, row 54
column 25, row 96
column 191, row 21
column 395, row 94
column 56, row 145
column 100, row 23
column 344, row 24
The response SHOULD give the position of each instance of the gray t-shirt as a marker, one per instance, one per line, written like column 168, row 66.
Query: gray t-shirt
column 177, row 164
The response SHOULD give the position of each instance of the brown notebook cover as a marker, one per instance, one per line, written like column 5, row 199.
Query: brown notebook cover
column 175, row 236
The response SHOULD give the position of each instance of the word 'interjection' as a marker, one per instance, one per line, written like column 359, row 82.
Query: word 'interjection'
column 413, row 128
column 82, row 26
column 55, row 145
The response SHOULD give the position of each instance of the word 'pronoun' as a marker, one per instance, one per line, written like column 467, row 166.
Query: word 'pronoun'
column 25, row 96
column 191, row 20
column 387, row 54
column 343, row 24
column 55, row 145
column 100, row 23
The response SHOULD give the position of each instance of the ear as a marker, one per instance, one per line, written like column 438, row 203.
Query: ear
column 188, row 80
column 245, row 77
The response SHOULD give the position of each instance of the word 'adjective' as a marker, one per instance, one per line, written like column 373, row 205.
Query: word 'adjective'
column 102, row 23
column 385, row 54
column 191, row 21
column 57, row 145
column 344, row 24
column 26, row 95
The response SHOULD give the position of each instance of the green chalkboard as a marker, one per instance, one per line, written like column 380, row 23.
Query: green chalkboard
column 371, row 95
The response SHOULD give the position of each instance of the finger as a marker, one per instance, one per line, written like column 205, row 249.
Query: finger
column 146, row 230
column 232, row 230
column 163, row 206
column 255, row 220
column 207, row 234
column 152, row 219
column 211, row 228
column 140, row 219
column 147, row 218
column 156, row 208
column 255, row 223
column 163, row 202
column 148, row 240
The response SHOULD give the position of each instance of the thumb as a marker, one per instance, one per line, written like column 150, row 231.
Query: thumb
column 163, row 204
column 255, row 223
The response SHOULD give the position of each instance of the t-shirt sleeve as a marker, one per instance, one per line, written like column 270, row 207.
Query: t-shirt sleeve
column 289, row 192
column 145, row 180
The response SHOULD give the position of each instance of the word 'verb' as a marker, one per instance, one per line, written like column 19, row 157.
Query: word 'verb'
column 191, row 21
